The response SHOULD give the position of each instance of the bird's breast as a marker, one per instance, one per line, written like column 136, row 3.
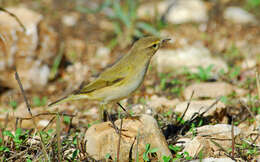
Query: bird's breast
column 128, row 85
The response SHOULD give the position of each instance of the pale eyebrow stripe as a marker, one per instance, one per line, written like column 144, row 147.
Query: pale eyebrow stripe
column 156, row 42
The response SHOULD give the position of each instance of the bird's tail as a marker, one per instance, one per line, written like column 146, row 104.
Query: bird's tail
column 65, row 99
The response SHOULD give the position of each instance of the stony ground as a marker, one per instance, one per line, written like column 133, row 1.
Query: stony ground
column 199, row 100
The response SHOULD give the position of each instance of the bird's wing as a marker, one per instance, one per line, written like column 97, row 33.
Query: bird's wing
column 109, row 77
column 99, row 83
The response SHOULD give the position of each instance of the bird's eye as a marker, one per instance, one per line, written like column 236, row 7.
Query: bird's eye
column 155, row 45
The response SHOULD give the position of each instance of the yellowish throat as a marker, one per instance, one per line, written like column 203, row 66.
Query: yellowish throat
column 121, row 79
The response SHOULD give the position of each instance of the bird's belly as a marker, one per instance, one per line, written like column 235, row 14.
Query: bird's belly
column 120, row 91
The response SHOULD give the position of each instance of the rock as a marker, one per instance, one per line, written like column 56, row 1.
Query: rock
column 91, row 113
column 207, row 137
column 208, row 90
column 72, row 76
column 148, row 10
column 70, row 19
column 47, row 44
column 43, row 123
column 187, row 11
column 200, row 106
column 211, row 90
column 180, row 11
column 102, row 53
column 106, row 25
column 239, row 15
column 248, row 63
column 214, row 160
column 140, row 109
column 22, row 111
column 18, row 41
column 195, row 146
column 218, row 130
column 28, row 51
column 75, row 49
column 33, row 73
column 102, row 138
column 191, row 57
column 159, row 104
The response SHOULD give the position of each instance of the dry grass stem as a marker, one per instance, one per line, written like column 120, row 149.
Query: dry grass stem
column 29, row 110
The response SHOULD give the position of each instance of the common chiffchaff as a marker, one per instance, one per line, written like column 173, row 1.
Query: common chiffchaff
column 123, row 78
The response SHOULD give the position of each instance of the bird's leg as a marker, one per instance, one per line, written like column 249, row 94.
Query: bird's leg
column 123, row 109
column 101, row 111
column 121, row 106
column 127, row 113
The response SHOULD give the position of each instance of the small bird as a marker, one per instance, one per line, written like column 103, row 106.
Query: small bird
column 123, row 78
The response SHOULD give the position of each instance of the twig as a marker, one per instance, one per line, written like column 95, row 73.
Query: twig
column 131, row 151
column 16, row 123
column 119, row 140
column 188, row 105
column 48, row 124
column 253, row 143
column 15, row 17
column 137, row 143
column 258, row 84
column 233, row 139
column 47, row 113
column 29, row 109
column 250, row 112
column 58, row 130
column 17, row 155
column 221, row 148
column 70, row 125
column 213, row 104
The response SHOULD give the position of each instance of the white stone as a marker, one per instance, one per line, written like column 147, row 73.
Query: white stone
column 194, row 146
column 70, row 19
column 239, row 15
column 102, row 138
column 188, row 11
column 43, row 123
column 199, row 107
column 217, row 130
column 149, row 9
column 249, row 63
column 140, row 109
column 207, row 90
column 214, row 160
column 103, row 56
column 180, row 12
column 30, row 19
column 23, row 48
column 211, row 90
column 207, row 136
column 103, row 52
column 190, row 56
column 157, row 103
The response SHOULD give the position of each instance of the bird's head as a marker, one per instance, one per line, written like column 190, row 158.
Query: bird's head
column 148, row 45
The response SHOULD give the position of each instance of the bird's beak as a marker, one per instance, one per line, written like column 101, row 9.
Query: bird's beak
column 164, row 40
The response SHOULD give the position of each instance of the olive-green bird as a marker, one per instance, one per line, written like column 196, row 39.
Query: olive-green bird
column 121, row 79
